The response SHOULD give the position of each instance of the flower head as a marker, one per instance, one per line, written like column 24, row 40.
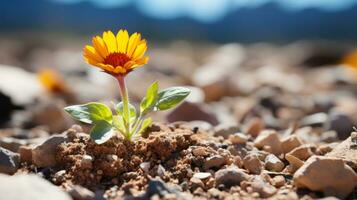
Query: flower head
column 116, row 55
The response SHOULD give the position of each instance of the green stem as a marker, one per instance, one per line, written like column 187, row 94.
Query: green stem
column 136, row 125
column 125, row 99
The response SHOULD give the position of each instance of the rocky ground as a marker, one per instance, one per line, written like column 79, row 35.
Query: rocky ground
column 262, row 121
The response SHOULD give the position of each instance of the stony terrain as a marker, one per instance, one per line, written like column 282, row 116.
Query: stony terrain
column 262, row 122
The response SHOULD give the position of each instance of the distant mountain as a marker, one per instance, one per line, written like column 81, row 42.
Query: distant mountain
column 266, row 23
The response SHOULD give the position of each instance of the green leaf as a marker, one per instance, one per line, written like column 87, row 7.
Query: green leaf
column 150, row 99
column 90, row 112
column 101, row 132
column 118, row 123
column 170, row 97
column 120, row 110
column 146, row 123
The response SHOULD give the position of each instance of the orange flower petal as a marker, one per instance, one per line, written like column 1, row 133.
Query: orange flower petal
column 91, row 53
column 100, row 46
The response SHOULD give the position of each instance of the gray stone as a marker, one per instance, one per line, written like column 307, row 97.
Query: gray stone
column 21, row 187
column 9, row 161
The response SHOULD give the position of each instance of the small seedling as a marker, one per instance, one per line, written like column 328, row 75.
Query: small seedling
column 118, row 56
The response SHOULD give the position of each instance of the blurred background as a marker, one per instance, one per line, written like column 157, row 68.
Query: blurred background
column 256, row 63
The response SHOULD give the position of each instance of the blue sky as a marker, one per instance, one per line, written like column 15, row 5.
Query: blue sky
column 211, row 10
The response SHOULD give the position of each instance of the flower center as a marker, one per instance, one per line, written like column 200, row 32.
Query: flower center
column 116, row 59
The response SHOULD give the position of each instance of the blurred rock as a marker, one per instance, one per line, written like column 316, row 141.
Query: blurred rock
column 329, row 136
column 340, row 123
column 302, row 152
column 252, row 163
column 12, row 144
column 254, row 126
column 191, row 112
column 202, row 175
column 314, row 120
column 43, row 155
column 238, row 138
column 201, row 125
column 328, row 175
column 278, row 181
column 289, row 143
column 25, row 154
column 52, row 115
column 200, row 151
column 346, row 150
column 230, row 176
column 269, row 141
column 212, row 79
column 215, row 161
column 225, row 130
column 78, row 192
column 15, row 87
column 295, row 163
column 30, row 186
column 9, row 161
column 7, row 107
column 273, row 163
column 264, row 189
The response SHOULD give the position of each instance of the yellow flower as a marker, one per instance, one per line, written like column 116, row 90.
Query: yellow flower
column 52, row 80
column 116, row 55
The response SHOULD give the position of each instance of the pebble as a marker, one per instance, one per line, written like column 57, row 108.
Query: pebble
column 254, row 126
column 264, row 189
column 12, row 144
column 273, row 163
column 79, row 192
column 161, row 171
column 188, row 111
column 43, row 155
column 354, row 137
column 86, row 162
column 278, row 181
column 225, row 130
column 289, row 143
column 302, row 152
column 252, row 163
column 200, row 151
column 295, row 162
column 9, row 161
column 341, row 123
column 328, row 175
column 347, row 151
column 196, row 183
column 230, row 176
column 59, row 177
column 215, row 161
column 202, row 175
column 25, row 154
column 238, row 138
column 270, row 139
column 145, row 166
